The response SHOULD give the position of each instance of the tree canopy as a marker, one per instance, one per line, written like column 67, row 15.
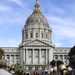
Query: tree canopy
column 52, row 62
column 57, row 63
column 1, row 53
column 72, row 51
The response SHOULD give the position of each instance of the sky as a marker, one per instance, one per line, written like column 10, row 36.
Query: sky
column 59, row 13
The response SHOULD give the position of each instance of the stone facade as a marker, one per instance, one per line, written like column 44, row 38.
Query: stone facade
column 12, row 55
column 36, row 50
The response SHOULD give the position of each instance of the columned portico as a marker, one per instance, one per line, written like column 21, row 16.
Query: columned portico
column 36, row 56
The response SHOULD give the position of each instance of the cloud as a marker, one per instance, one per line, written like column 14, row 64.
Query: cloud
column 58, row 44
column 10, row 20
column 19, row 2
column 55, row 9
column 9, row 43
column 59, row 18
column 4, row 8
column 10, row 14
column 64, row 26
column 63, row 30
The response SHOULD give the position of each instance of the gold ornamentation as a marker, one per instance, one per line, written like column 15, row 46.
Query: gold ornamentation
column 36, row 7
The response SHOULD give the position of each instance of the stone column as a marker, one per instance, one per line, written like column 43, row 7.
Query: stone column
column 39, row 56
column 39, row 32
column 13, row 59
column 46, row 57
column 58, row 57
column 21, row 56
column 33, row 56
column 26, row 55
column 50, row 54
column 5, row 57
column 44, row 34
column 24, row 35
column 28, row 34
column 48, row 35
column 63, row 58
column 53, row 57
column 9, row 59
column 15, row 62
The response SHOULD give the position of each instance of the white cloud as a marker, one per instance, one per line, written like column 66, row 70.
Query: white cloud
column 14, row 15
column 9, row 43
column 57, row 44
column 11, row 20
column 19, row 2
column 55, row 9
column 4, row 8
column 63, row 29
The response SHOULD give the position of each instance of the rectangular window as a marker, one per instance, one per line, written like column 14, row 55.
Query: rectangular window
column 26, row 35
column 43, row 68
column 37, row 35
column 46, row 36
column 42, row 35
column 7, row 57
column 31, row 35
column 29, row 68
column 36, row 68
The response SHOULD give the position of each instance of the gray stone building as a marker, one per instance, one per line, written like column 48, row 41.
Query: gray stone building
column 36, row 49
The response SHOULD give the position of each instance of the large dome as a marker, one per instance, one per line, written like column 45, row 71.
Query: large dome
column 36, row 16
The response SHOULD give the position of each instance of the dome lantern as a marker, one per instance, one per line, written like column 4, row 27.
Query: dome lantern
column 36, row 7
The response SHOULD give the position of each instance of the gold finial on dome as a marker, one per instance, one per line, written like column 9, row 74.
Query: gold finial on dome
column 36, row 1
column 36, row 7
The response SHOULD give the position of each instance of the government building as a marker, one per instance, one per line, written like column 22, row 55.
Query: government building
column 36, row 50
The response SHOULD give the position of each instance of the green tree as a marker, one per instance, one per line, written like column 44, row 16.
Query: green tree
column 1, row 53
column 72, row 51
column 59, row 63
column 53, row 63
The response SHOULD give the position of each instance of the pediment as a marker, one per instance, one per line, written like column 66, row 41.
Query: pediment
column 36, row 43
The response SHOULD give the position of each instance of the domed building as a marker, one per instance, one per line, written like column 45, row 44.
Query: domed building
column 36, row 46
column 36, row 50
